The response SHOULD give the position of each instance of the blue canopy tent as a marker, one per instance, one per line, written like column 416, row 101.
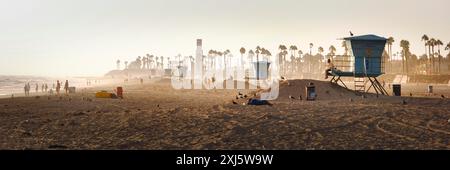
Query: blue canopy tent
column 364, row 60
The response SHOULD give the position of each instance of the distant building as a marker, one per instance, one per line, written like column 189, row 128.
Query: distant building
column 198, row 71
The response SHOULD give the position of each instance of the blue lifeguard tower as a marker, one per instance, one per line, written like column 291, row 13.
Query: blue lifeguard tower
column 364, row 60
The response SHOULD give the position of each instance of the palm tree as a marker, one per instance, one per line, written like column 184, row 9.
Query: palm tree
column 148, row 61
column 282, row 56
column 258, row 51
column 242, row 51
column 179, row 59
column 282, row 48
column 439, row 43
column 320, row 50
column 300, row 53
column 219, row 54
column 425, row 40
column 447, row 47
column 332, row 50
column 250, row 55
column 139, row 62
column 310, row 48
column 151, row 61
column 211, row 56
column 432, row 43
column 225, row 54
column 293, row 48
column 390, row 41
column 344, row 44
column 144, row 62
column 268, row 54
column 404, row 44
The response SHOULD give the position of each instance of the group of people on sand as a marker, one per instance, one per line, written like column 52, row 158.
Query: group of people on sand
column 44, row 88
column 27, row 88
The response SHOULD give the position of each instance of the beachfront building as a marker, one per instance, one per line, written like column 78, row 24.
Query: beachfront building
column 198, row 70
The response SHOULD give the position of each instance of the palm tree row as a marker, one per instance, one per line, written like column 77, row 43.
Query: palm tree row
column 432, row 55
column 431, row 43
column 146, row 62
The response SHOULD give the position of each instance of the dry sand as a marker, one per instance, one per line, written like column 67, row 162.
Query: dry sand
column 155, row 116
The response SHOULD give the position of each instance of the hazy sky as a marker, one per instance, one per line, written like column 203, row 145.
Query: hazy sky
column 86, row 37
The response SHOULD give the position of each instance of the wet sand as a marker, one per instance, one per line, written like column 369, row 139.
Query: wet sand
column 155, row 116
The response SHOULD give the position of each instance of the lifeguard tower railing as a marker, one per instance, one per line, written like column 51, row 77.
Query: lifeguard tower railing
column 343, row 62
column 346, row 63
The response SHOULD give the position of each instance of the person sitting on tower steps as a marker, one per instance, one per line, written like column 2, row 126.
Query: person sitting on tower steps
column 330, row 67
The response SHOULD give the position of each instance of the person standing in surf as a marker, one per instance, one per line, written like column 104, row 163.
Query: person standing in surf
column 58, row 87
column 66, row 86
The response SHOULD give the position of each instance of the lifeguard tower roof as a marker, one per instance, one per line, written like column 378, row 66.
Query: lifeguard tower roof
column 368, row 37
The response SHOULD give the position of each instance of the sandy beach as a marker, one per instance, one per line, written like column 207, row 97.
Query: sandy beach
column 156, row 116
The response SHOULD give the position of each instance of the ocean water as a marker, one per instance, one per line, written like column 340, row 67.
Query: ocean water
column 15, row 84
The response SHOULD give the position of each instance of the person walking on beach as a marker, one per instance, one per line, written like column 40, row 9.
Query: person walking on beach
column 28, row 89
column 66, row 86
column 37, row 88
column 42, row 87
column 58, row 87
column 25, row 88
column 45, row 87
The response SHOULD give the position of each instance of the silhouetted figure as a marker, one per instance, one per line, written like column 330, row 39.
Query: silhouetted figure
column 329, row 68
column 66, row 86
column 26, row 89
column 46, row 87
column 37, row 88
column 58, row 87
column 42, row 87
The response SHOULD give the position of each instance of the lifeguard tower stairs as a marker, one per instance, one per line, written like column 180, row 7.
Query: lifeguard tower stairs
column 363, row 62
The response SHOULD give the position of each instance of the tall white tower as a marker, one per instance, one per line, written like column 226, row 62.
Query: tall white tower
column 198, row 72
